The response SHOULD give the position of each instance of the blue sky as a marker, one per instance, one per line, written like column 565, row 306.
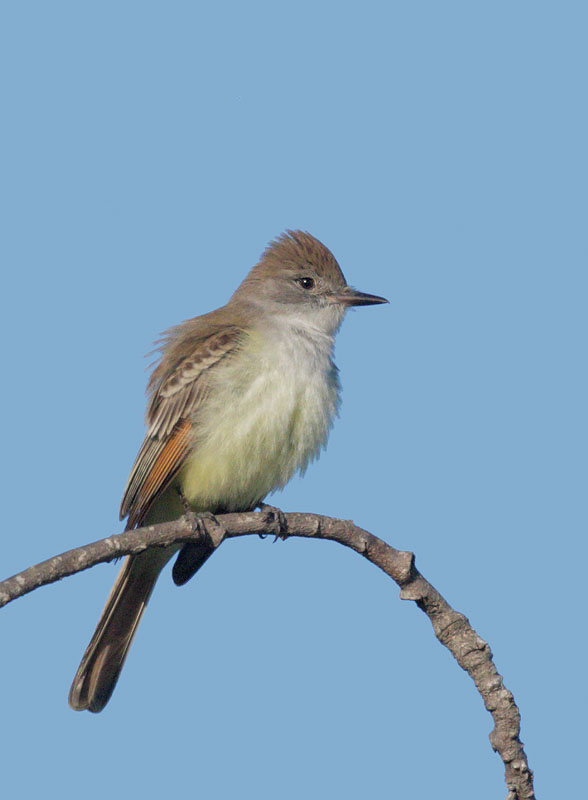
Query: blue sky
column 149, row 152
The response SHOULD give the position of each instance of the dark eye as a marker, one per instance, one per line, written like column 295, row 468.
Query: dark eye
column 306, row 283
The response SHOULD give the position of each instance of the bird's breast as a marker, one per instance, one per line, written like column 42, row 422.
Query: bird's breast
column 268, row 414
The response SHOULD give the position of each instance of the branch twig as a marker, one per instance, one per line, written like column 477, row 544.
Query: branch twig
column 451, row 628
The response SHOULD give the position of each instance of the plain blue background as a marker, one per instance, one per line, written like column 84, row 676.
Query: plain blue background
column 149, row 152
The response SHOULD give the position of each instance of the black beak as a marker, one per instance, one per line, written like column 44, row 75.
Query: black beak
column 351, row 297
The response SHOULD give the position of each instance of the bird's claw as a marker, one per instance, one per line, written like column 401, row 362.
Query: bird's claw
column 192, row 555
column 200, row 519
column 277, row 517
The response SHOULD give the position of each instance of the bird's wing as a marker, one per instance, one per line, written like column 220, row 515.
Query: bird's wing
column 178, row 390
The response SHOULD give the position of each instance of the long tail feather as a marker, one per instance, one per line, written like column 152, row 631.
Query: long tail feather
column 105, row 655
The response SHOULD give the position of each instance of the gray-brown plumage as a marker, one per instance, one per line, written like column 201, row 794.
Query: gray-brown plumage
column 241, row 399
column 177, row 388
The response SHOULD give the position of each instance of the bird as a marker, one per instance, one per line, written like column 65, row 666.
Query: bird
column 242, row 398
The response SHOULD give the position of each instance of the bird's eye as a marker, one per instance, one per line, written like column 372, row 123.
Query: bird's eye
column 306, row 283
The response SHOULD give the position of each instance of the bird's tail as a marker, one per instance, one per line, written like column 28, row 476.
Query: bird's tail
column 105, row 655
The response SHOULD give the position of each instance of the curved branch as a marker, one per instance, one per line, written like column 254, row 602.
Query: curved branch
column 451, row 628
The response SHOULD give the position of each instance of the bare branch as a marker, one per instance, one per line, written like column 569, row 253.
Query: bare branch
column 451, row 628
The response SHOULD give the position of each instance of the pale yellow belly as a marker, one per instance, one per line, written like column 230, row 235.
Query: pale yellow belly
column 259, row 426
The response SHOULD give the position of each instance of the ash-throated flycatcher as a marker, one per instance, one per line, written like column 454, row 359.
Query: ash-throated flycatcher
column 242, row 398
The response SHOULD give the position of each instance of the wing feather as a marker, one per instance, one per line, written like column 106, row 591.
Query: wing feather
column 163, row 468
column 179, row 390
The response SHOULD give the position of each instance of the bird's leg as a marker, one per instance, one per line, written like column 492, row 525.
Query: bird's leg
column 278, row 518
column 184, row 500
column 198, row 516
column 193, row 554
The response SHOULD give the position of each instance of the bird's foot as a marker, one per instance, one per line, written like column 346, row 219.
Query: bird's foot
column 200, row 518
column 193, row 554
column 277, row 518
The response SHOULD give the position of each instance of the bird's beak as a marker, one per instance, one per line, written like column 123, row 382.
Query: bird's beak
column 351, row 297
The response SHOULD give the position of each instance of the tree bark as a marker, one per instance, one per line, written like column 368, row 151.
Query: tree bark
column 451, row 628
